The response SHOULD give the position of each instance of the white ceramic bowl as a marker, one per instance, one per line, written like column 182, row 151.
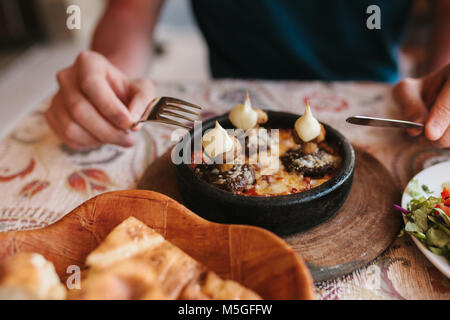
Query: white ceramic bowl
column 433, row 177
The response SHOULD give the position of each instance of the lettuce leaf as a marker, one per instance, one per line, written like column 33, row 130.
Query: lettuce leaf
column 438, row 238
column 428, row 223
column 413, row 229
column 413, row 188
column 420, row 217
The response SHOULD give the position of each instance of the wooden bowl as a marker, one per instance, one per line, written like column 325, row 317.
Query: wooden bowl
column 249, row 255
column 284, row 215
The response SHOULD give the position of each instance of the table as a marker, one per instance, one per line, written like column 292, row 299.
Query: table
column 41, row 180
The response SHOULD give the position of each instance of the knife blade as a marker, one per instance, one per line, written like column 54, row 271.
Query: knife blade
column 380, row 122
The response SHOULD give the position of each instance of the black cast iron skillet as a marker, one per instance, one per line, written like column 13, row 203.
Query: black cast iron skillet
column 283, row 215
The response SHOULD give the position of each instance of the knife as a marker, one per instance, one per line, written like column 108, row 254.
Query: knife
column 380, row 122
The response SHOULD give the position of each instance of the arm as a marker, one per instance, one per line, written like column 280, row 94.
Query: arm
column 440, row 34
column 124, row 34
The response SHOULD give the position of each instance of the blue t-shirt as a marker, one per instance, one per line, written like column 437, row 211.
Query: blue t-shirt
column 302, row 39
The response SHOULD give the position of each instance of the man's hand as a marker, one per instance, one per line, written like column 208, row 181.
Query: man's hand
column 427, row 100
column 96, row 103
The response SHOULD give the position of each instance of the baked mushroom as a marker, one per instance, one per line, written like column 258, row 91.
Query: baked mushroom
column 313, row 165
column 233, row 178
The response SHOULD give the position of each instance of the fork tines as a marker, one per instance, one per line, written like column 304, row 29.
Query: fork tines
column 182, row 102
column 169, row 104
column 172, row 122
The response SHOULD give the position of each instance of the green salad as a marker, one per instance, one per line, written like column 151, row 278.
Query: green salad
column 427, row 219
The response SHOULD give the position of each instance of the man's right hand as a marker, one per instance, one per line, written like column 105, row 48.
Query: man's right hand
column 96, row 103
column 427, row 100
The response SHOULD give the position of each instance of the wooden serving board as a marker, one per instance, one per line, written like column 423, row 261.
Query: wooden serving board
column 358, row 233
column 242, row 253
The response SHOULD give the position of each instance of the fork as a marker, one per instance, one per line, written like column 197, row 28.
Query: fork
column 161, row 107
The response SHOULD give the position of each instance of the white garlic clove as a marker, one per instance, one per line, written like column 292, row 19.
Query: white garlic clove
column 263, row 117
column 234, row 153
column 217, row 141
column 243, row 116
column 307, row 127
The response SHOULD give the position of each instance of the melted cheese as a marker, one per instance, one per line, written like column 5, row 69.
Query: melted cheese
column 272, row 178
column 281, row 182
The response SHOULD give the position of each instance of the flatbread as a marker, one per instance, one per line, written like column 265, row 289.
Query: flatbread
column 129, row 238
column 136, row 262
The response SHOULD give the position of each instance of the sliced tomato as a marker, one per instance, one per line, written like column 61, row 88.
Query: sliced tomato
column 444, row 208
column 445, row 194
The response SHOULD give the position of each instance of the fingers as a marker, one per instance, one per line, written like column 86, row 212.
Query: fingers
column 119, row 83
column 86, row 115
column 96, row 103
column 408, row 94
column 73, row 135
column 94, row 123
column 104, row 86
column 444, row 141
column 142, row 92
column 439, row 118
column 432, row 85
column 100, row 94
column 90, row 62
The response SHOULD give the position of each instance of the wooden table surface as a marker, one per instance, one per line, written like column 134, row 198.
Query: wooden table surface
column 41, row 180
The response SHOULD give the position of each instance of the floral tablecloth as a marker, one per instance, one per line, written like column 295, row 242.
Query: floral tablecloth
column 41, row 180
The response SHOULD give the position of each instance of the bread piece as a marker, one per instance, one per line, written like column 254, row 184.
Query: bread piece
column 130, row 279
column 210, row 286
column 193, row 291
column 123, row 257
column 127, row 239
column 219, row 289
column 29, row 276
column 161, row 273
column 174, row 268
column 135, row 262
